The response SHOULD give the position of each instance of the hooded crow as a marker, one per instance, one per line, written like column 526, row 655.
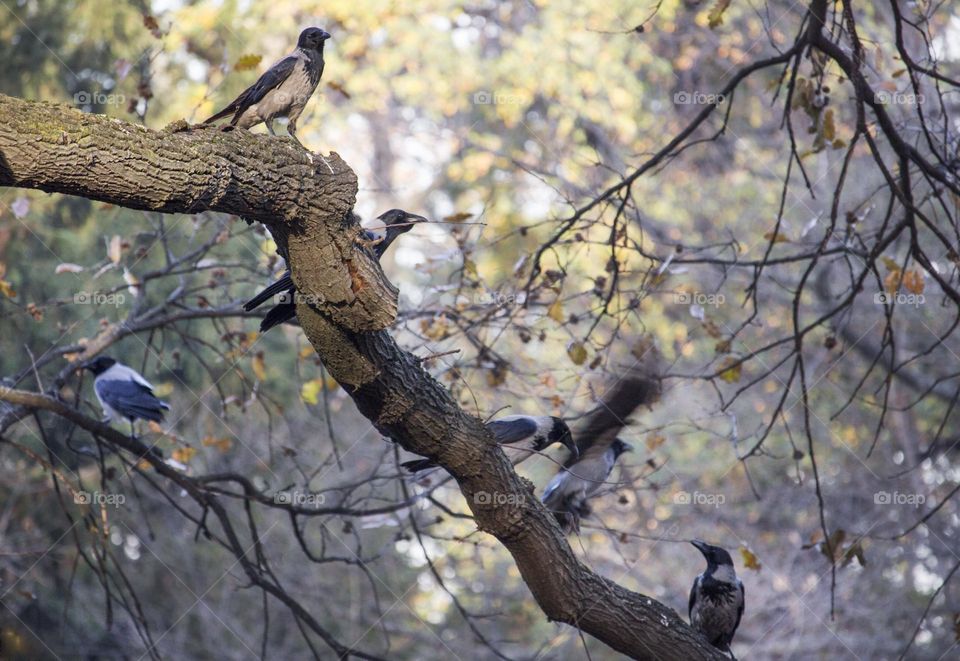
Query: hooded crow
column 522, row 435
column 716, row 598
column 567, row 493
column 283, row 90
column 123, row 392
column 397, row 222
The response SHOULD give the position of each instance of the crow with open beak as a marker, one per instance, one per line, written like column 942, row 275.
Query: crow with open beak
column 716, row 598
column 283, row 90
column 396, row 221
column 567, row 493
column 123, row 392
column 520, row 436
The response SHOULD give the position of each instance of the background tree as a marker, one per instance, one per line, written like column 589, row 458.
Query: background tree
column 768, row 194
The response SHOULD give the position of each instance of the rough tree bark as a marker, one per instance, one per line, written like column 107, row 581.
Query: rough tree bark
column 304, row 199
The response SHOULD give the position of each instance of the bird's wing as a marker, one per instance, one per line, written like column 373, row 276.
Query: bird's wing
column 743, row 602
column 554, row 493
column 693, row 598
column 285, row 283
column 130, row 399
column 512, row 430
column 639, row 385
column 270, row 79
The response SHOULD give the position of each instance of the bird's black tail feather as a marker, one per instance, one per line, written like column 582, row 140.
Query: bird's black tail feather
column 417, row 465
column 278, row 314
column 271, row 290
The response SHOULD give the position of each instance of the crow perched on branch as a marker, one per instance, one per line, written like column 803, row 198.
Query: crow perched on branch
column 397, row 222
column 716, row 598
column 567, row 493
column 520, row 436
column 123, row 392
column 283, row 90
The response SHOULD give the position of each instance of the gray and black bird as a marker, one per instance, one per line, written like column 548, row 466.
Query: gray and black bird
column 520, row 436
column 397, row 222
column 716, row 598
column 123, row 392
column 283, row 90
column 566, row 495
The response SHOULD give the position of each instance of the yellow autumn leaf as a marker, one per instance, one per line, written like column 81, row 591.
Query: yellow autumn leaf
column 259, row 367
column 222, row 444
column 310, row 391
column 7, row 289
column 183, row 455
column 555, row 311
column 749, row 559
column 654, row 441
column 892, row 282
column 715, row 17
column 577, row 353
column 732, row 368
column 890, row 263
column 457, row 217
column 247, row 62
column 913, row 281
column 779, row 237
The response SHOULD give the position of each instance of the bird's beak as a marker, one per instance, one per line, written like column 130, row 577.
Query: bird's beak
column 571, row 445
column 627, row 447
column 82, row 366
column 324, row 35
column 701, row 546
column 414, row 218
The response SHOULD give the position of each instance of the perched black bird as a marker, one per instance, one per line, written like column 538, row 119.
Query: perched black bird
column 521, row 435
column 397, row 222
column 123, row 392
column 567, row 493
column 716, row 598
column 283, row 90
